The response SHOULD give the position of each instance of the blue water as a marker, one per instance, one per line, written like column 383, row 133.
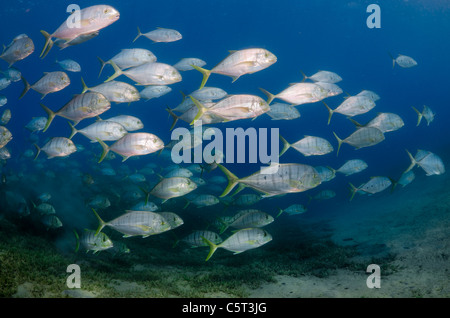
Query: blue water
column 304, row 35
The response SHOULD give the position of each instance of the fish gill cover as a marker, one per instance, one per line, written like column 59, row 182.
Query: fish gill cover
column 359, row 94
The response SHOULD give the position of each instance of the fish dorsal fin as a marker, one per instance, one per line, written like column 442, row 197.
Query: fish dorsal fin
column 232, row 51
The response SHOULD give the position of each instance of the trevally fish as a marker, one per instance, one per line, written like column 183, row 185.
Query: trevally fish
column 69, row 65
column 247, row 199
column 209, row 94
column 372, row 95
column 352, row 106
column 250, row 218
column 406, row 178
column 323, row 76
column 185, row 64
column 49, row 83
column 136, row 223
column 92, row 242
column 239, row 63
column 385, row 122
column 308, row 146
column 87, row 105
column 241, row 241
column 36, row 124
column 374, row 185
column 161, row 35
column 45, row 208
column 6, row 117
column 233, row 107
column 276, row 179
column 128, row 58
column 51, row 221
column 293, row 209
column 13, row 74
column 98, row 201
column 103, row 130
column 4, row 83
column 57, row 147
column 174, row 187
column 195, row 238
column 426, row 113
column 403, row 61
column 91, row 19
column 323, row 195
column 21, row 47
column 280, row 111
column 149, row 74
column 5, row 153
column 362, row 137
column 299, row 93
column 352, row 166
column 202, row 200
column 3, row 100
column 130, row 123
column 431, row 163
column 154, row 91
column 145, row 206
column 133, row 144
column 115, row 91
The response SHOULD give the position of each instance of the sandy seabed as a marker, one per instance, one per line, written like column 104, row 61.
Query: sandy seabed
column 413, row 224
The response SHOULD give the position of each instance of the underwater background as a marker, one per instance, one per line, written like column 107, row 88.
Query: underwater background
column 323, row 252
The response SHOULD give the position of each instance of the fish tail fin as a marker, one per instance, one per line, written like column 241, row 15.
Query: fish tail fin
column 206, row 73
column 102, row 63
column 147, row 194
column 413, row 161
column 117, row 72
column 48, row 44
column 353, row 190
column 270, row 96
column 232, row 180
column 201, row 109
column 174, row 116
column 77, row 238
column 73, row 132
column 139, row 34
column 394, row 184
column 187, row 203
column 26, row 88
column 101, row 224
column 304, row 76
column 224, row 226
column 50, row 114
column 355, row 122
column 38, row 151
column 280, row 211
column 330, row 112
column 419, row 115
column 286, row 145
column 85, row 88
column 339, row 140
column 239, row 189
column 212, row 248
column 105, row 149
column 393, row 60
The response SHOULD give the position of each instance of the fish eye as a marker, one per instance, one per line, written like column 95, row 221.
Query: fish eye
column 105, row 11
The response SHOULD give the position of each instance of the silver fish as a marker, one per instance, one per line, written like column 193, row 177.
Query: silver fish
column 136, row 223
column 161, row 35
column 195, row 239
column 362, row 137
column 92, row 242
column 426, row 113
column 352, row 166
column 80, row 107
column 385, row 122
column 185, row 64
column 128, row 58
column 114, row 91
column 308, row 146
column 133, row 144
column 323, row 76
column 241, row 241
column 57, row 147
column 431, row 163
column 91, row 19
column 352, row 106
column 21, row 47
column 103, row 130
column 374, row 185
column 154, row 91
column 239, row 63
column 403, row 61
column 280, row 111
column 5, row 136
column 69, row 65
column 49, row 83
column 174, row 187
column 130, row 123
column 299, row 93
